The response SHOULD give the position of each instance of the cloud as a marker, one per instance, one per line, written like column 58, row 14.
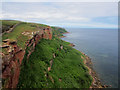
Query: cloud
column 73, row 13
column 61, row 1
column 51, row 17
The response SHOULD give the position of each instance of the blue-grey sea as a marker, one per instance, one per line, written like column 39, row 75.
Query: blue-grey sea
column 101, row 45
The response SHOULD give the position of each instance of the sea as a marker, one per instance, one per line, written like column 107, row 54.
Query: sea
column 101, row 45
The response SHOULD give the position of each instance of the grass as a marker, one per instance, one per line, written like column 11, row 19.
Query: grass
column 58, row 31
column 17, row 35
column 67, row 66
column 68, row 69
column 6, row 24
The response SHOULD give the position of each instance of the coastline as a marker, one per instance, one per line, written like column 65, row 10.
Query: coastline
column 96, row 81
column 63, row 35
column 65, row 32
column 88, row 63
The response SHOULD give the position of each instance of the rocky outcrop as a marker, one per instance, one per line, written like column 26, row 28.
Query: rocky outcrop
column 11, row 65
column 47, row 34
column 49, row 68
column 11, row 62
column 72, row 45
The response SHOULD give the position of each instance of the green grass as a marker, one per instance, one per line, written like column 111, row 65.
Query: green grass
column 58, row 31
column 9, row 22
column 67, row 65
column 6, row 24
column 16, row 34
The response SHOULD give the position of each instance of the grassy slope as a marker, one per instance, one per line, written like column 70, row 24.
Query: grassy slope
column 67, row 65
column 17, row 35
column 6, row 24
column 58, row 31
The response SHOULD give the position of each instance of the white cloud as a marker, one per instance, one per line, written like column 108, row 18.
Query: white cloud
column 51, row 17
column 60, row 0
column 72, row 13
column 77, row 19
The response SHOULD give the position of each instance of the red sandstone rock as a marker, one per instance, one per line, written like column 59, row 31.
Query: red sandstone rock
column 61, row 47
column 12, row 62
column 49, row 68
column 60, row 79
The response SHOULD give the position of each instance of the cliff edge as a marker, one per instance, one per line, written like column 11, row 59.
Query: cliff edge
column 13, row 52
column 33, row 56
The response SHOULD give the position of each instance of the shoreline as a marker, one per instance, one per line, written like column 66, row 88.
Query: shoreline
column 96, row 83
column 63, row 35
column 65, row 32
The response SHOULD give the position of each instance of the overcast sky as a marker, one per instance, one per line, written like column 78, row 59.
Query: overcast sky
column 65, row 14
column 59, row 0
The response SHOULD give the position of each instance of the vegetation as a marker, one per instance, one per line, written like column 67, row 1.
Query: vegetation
column 67, row 71
column 58, row 31
column 67, row 68
column 17, row 35
column 7, row 24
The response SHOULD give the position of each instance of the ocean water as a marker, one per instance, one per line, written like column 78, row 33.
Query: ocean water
column 101, row 45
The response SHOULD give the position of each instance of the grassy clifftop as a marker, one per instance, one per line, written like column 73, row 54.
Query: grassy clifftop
column 21, row 32
column 52, row 64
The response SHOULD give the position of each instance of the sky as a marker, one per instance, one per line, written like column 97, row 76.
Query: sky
column 63, row 14
column 59, row 0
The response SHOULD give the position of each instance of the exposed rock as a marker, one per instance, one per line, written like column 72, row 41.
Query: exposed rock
column 6, row 40
column 51, row 79
column 48, row 33
column 5, row 46
column 60, row 79
column 12, row 43
column 54, row 55
column 11, row 63
column 25, row 33
column 12, row 70
column 51, row 62
column 71, row 45
column 49, row 68
column 61, row 47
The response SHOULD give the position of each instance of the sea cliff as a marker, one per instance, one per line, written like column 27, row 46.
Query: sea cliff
column 34, row 56
column 13, row 54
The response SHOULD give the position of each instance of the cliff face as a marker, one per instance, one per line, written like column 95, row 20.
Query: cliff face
column 29, row 61
column 11, row 62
